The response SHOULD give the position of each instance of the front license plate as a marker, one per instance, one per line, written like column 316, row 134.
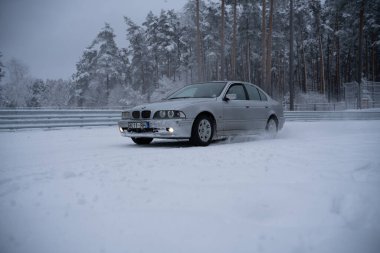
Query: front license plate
column 138, row 125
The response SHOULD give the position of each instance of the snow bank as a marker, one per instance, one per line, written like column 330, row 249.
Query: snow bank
column 313, row 189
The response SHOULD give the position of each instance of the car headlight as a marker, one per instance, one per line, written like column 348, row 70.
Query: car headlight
column 162, row 114
column 169, row 114
column 125, row 115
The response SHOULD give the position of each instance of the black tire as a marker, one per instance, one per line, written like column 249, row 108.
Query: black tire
column 271, row 128
column 202, row 131
column 142, row 141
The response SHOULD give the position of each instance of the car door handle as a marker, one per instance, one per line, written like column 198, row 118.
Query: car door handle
column 247, row 106
column 266, row 107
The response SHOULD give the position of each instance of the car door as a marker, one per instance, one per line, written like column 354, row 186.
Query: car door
column 258, row 108
column 235, row 109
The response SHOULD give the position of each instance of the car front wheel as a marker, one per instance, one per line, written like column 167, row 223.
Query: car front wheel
column 202, row 131
column 142, row 141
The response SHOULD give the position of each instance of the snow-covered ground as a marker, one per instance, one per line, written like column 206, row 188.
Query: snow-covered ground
column 316, row 188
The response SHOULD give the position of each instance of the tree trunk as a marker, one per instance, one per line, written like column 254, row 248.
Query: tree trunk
column 373, row 57
column 322, row 87
column 321, row 68
column 315, row 72
column 366, row 58
column 337, row 61
column 349, row 67
column 298, row 67
column 263, row 46
column 233, row 51
column 249, row 61
column 329, row 91
column 243, row 73
column 199, row 53
column 304, row 73
column 169, row 74
column 222, row 63
column 337, row 70
column 107, row 88
column 268, row 74
column 291, row 85
column 248, row 53
column 360, row 62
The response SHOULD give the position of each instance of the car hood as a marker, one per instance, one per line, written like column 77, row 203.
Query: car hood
column 175, row 104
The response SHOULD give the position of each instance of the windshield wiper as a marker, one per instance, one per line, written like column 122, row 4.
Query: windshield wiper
column 178, row 98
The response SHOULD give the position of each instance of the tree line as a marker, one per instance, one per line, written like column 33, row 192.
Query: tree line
column 335, row 41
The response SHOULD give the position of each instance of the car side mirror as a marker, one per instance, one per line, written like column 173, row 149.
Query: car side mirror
column 230, row 96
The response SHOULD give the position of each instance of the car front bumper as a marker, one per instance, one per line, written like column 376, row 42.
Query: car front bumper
column 163, row 129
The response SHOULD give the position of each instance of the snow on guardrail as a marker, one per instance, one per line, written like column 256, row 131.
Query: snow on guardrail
column 29, row 118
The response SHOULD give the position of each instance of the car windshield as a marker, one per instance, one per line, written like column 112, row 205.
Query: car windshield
column 200, row 90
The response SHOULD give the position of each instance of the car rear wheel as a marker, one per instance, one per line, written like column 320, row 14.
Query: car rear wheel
column 202, row 131
column 271, row 128
column 142, row 141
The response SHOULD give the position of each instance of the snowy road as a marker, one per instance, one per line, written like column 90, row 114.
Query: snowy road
column 316, row 188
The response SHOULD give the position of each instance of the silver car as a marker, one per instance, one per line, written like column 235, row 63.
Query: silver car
column 204, row 112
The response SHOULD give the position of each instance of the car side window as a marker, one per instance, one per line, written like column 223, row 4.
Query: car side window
column 237, row 89
column 253, row 92
column 263, row 96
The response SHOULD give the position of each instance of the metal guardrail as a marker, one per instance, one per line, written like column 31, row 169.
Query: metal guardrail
column 332, row 115
column 19, row 119
column 318, row 107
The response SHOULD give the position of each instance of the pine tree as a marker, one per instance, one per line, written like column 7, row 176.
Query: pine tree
column 168, row 42
column 152, row 38
column 211, row 42
column 83, row 77
column 107, row 60
column 99, row 70
column 238, row 39
column 190, row 57
column 37, row 95
column 142, row 69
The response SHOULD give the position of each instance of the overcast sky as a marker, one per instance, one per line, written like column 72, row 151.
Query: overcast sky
column 49, row 35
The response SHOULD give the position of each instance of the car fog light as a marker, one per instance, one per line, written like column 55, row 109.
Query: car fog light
column 170, row 130
column 121, row 129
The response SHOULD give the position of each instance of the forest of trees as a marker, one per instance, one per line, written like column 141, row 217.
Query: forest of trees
column 335, row 41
